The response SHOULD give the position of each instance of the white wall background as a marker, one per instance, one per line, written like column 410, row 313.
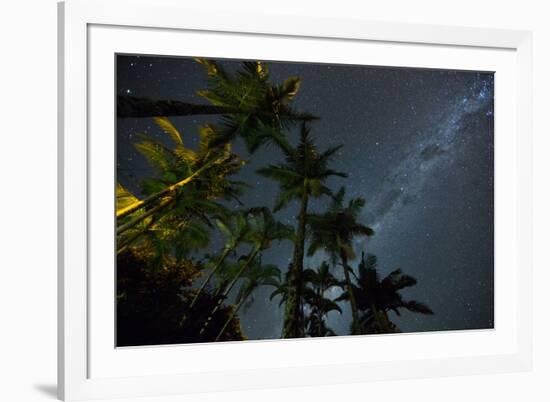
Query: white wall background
column 28, row 200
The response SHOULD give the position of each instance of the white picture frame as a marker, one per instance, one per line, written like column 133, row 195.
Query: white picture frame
column 89, row 367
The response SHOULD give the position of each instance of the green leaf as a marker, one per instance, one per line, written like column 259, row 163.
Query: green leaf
column 169, row 129
column 155, row 154
column 124, row 197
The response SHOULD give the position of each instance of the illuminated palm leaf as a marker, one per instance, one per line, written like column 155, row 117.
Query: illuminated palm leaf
column 169, row 129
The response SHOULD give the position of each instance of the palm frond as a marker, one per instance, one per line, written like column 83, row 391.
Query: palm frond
column 124, row 197
column 156, row 154
column 169, row 129
column 418, row 307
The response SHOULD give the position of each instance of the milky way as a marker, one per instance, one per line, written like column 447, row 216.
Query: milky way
column 417, row 145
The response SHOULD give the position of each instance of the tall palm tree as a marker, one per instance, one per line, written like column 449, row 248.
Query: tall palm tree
column 334, row 232
column 257, row 275
column 302, row 176
column 250, row 105
column 320, row 281
column 264, row 230
column 377, row 297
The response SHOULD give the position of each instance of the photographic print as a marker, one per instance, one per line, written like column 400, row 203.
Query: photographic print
column 271, row 199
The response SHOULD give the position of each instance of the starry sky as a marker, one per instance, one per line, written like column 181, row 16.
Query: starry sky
column 417, row 145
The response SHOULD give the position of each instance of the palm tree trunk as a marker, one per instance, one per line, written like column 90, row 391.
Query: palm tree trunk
column 241, row 271
column 134, row 221
column 293, row 326
column 210, row 275
column 228, row 289
column 352, row 302
column 382, row 322
column 131, row 106
column 122, row 212
column 228, row 321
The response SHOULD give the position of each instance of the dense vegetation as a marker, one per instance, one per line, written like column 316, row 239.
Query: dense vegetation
column 170, row 290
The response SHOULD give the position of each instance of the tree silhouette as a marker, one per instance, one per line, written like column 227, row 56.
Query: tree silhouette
column 302, row 176
column 318, row 283
column 263, row 231
column 333, row 232
column 257, row 275
column 235, row 228
column 376, row 297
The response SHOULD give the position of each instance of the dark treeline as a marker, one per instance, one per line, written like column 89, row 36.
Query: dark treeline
column 169, row 290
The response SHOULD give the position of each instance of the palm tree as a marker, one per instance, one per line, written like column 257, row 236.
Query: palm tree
column 301, row 176
column 180, row 165
column 334, row 232
column 263, row 231
column 125, row 198
column 257, row 275
column 377, row 297
column 178, row 230
column 314, row 286
column 204, row 174
column 250, row 105
column 320, row 281
column 259, row 110
column 235, row 229
column 283, row 287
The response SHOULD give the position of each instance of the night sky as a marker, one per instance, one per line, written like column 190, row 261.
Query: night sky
column 417, row 145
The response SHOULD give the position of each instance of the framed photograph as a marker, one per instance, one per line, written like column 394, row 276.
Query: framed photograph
column 248, row 204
